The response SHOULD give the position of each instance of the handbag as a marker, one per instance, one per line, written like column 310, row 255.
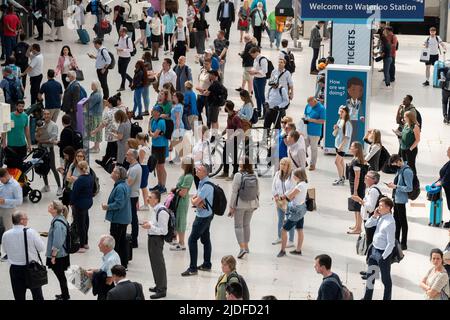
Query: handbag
column 80, row 75
column 361, row 244
column 425, row 55
column 35, row 272
column 243, row 23
column 58, row 23
column 311, row 199
column 353, row 205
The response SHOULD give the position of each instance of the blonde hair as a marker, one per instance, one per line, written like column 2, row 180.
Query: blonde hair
column 133, row 143
column 289, row 164
column 300, row 173
column 287, row 119
column 188, row 85
column 376, row 136
column 60, row 208
column 230, row 261
column 83, row 166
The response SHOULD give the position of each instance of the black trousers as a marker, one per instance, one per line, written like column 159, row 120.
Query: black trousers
column 410, row 157
column 228, row 148
column 314, row 59
column 445, row 105
column 401, row 222
column 134, row 221
column 52, row 168
column 103, row 78
column 81, row 219
column 370, row 232
column 392, row 70
column 58, row 270
column 111, row 152
column 179, row 50
column 122, row 65
column 257, row 31
column 119, row 233
column 225, row 25
column 39, row 23
column 273, row 116
column 18, row 284
column 35, row 85
column 167, row 42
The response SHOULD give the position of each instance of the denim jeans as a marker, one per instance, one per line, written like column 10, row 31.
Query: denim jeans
column 281, row 215
column 138, row 95
column 259, row 85
column 384, row 267
column 146, row 97
column 10, row 43
column 275, row 36
column 200, row 230
column 386, row 67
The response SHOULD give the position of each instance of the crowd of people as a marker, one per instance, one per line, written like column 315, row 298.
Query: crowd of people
column 188, row 107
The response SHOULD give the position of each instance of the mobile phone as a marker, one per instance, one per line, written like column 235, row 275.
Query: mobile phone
column 385, row 183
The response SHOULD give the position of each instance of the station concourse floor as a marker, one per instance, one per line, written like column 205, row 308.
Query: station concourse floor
column 290, row 277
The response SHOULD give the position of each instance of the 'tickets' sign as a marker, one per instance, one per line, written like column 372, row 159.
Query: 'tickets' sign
column 387, row 10
column 351, row 44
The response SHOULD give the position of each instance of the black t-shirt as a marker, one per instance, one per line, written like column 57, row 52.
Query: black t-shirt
column 121, row 11
column 220, row 45
column 329, row 289
column 216, row 89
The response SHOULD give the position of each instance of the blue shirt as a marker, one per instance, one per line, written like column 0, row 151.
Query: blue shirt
column 12, row 193
column 246, row 112
column 215, row 63
column 282, row 147
column 178, row 108
column 191, row 100
column 52, row 90
column 205, row 192
column 159, row 124
column 318, row 113
column 109, row 260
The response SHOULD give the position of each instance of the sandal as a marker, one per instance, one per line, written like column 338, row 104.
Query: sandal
column 353, row 232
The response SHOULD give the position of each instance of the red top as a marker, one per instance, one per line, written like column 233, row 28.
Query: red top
column 234, row 122
column 393, row 40
column 13, row 21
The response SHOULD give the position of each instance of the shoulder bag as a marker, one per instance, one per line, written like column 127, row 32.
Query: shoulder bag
column 35, row 272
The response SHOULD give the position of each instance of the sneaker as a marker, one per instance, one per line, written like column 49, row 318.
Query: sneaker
column 59, row 193
column 99, row 162
column 45, row 189
column 290, row 244
column 281, row 254
column 276, row 241
column 120, row 89
column 153, row 188
column 138, row 118
column 295, row 252
column 144, row 208
column 426, row 83
column 338, row 182
column 203, row 268
column 188, row 273
column 241, row 253
column 162, row 190
column 312, row 168
column 177, row 247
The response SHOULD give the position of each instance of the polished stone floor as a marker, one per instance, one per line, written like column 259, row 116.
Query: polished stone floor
column 291, row 277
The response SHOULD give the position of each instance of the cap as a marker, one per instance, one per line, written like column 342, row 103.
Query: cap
column 158, row 108
column 214, row 72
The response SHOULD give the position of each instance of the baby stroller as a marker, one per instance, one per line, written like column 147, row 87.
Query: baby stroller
column 19, row 168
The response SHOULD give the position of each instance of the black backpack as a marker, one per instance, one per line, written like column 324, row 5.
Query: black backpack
column 77, row 140
column 96, row 186
column 290, row 61
column 21, row 54
column 219, row 203
column 414, row 194
column 152, row 162
column 380, row 195
column 170, row 225
column 72, row 244
column 269, row 67
column 14, row 89
column 169, row 128
column 133, row 53
column 113, row 60
column 135, row 129
column 383, row 163
column 254, row 118
column 245, row 291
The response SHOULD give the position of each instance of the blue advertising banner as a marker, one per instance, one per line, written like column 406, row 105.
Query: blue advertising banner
column 351, row 10
column 346, row 88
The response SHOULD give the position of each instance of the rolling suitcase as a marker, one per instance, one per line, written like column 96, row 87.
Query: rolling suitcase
column 83, row 35
column 435, row 213
column 129, row 247
column 437, row 66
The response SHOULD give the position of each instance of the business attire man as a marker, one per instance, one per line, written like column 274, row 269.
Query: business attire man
column 226, row 16
column 14, row 244
column 315, row 41
column 124, row 289
column 71, row 98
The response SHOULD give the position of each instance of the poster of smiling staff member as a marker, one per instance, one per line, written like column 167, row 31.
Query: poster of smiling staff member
column 346, row 86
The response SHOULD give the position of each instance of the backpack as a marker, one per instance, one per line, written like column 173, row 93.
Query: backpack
column 414, row 194
column 133, row 53
column 21, row 54
column 245, row 291
column 113, row 60
column 290, row 61
column 248, row 190
column 135, row 129
column 72, row 244
column 254, row 118
column 169, row 128
column 345, row 293
column 383, row 163
column 170, row 225
column 380, row 195
column 219, row 203
column 222, row 96
column 14, row 89
column 151, row 163
column 77, row 140
column 269, row 67
column 83, row 93
column 96, row 186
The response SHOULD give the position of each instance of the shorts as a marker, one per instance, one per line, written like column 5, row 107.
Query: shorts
column 247, row 76
column 433, row 59
column 289, row 224
column 213, row 114
column 156, row 38
column 340, row 153
column 160, row 154
column 144, row 178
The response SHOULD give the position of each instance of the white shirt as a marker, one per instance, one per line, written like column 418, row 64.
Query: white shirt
column 156, row 26
column 260, row 65
column 37, row 63
column 14, row 245
column 433, row 44
column 159, row 227
column 370, row 201
column 226, row 10
column 147, row 151
column 384, row 237
column 200, row 153
column 169, row 76
column 127, row 48
column 66, row 66
column 285, row 80
column 300, row 198
column 297, row 153
column 280, row 187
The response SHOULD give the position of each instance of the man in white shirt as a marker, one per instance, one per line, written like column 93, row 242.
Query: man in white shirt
column 34, row 70
column 259, row 71
column 379, row 257
column 277, row 101
column 124, row 49
column 296, row 149
column 157, row 228
column 434, row 44
column 11, row 196
column 167, row 75
column 283, row 77
column 14, row 245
